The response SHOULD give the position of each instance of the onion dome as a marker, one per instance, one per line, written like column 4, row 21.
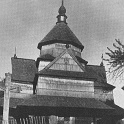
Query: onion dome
column 62, row 9
column 62, row 17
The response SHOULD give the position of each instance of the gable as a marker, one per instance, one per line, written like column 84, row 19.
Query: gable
column 66, row 62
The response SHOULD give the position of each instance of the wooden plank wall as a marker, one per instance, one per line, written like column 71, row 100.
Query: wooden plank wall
column 65, row 87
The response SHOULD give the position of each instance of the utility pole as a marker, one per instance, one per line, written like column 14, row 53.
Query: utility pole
column 6, row 98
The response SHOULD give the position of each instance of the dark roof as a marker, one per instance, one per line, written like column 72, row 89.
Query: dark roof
column 64, row 106
column 100, row 72
column 118, row 110
column 100, row 75
column 23, row 70
column 59, row 105
column 13, row 102
column 62, row 101
column 61, row 33
column 46, row 57
column 104, row 85
column 81, row 60
column 67, row 74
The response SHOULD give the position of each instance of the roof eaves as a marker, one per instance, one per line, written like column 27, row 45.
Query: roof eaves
column 65, row 74
column 23, row 59
column 81, row 60
column 57, row 35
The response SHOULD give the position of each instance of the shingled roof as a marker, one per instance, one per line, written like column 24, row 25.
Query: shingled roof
column 67, row 74
column 61, row 101
column 46, row 57
column 61, row 33
column 81, row 60
column 65, row 106
column 13, row 102
column 23, row 70
column 118, row 110
column 100, row 72
column 100, row 75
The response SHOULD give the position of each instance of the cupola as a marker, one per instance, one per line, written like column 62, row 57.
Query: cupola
column 60, row 34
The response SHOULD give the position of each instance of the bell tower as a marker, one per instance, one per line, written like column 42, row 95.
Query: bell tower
column 58, row 40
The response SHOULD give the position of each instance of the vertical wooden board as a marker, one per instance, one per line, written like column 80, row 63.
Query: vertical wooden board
column 65, row 87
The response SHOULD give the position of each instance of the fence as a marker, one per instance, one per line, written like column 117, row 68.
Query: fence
column 29, row 120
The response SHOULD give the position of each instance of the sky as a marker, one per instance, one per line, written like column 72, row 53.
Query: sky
column 96, row 23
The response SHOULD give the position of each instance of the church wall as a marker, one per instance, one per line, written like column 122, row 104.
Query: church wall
column 46, row 47
column 65, row 87
column 20, row 90
column 50, row 51
column 57, row 48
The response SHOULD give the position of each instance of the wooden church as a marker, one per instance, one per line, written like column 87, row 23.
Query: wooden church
column 60, row 87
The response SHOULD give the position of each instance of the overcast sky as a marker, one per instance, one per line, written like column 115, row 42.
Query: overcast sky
column 23, row 23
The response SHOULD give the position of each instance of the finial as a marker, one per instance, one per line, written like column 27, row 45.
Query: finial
column 62, row 9
column 62, row 2
column 62, row 17
column 101, row 64
column 15, row 53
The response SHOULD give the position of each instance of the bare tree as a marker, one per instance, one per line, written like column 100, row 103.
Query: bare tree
column 116, row 60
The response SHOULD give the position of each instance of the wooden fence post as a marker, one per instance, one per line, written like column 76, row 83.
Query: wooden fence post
column 6, row 98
